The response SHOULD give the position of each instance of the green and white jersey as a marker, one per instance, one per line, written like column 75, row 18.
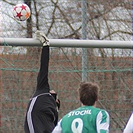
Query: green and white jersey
column 86, row 119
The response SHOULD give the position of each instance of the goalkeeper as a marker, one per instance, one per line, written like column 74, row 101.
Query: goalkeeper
column 87, row 118
column 42, row 111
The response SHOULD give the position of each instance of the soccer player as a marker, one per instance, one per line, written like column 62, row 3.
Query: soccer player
column 87, row 118
column 129, row 126
column 42, row 113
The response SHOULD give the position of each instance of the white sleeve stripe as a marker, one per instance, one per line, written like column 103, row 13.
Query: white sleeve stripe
column 102, row 126
column 29, row 117
column 58, row 128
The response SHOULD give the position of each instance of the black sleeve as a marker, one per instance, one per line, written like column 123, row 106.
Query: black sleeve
column 42, row 79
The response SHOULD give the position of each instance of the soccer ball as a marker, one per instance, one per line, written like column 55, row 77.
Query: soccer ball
column 21, row 12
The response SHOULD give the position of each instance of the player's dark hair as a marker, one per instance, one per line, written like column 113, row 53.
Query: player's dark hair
column 88, row 93
column 56, row 99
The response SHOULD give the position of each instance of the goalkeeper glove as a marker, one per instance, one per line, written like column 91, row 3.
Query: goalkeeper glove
column 42, row 38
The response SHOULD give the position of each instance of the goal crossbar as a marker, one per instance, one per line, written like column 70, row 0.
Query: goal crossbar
column 68, row 43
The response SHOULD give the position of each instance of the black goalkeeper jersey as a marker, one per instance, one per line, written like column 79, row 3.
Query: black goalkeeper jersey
column 42, row 115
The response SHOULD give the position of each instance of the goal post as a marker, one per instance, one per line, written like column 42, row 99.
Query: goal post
column 110, row 65
column 68, row 43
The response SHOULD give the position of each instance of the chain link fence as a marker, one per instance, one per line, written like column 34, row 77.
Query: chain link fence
column 67, row 19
